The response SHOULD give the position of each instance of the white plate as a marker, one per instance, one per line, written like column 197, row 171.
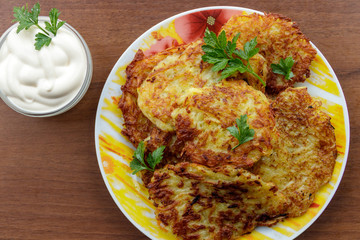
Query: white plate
column 114, row 152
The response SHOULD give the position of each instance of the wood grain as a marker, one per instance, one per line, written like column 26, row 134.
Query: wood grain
column 50, row 183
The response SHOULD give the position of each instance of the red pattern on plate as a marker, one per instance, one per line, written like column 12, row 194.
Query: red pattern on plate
column 192, row 26
column 161, row 45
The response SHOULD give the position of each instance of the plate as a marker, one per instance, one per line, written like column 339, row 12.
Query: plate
column 114, row 151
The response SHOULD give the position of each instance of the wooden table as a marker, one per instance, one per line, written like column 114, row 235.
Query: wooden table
column 50, row 183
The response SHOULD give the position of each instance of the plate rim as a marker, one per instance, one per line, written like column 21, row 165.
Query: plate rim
column 146, row 34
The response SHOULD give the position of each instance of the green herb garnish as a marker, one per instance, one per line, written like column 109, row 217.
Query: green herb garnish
column 28, row 18
column 284, row 67
column 220, row 52
column 241, row 132
column 154, row 158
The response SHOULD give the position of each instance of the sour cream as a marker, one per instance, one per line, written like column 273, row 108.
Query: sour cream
column 42, row 81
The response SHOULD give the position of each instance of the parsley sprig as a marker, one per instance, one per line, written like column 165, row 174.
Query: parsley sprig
column 154, row 158
column 241, row 131
column 28, row 18
column 284, row 67
column 224, row 55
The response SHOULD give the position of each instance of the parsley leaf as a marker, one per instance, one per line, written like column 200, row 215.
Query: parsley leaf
column 220, row 52
column 28, row 18
column 154, row 158
column 234, row 66
column 137, row 166
column 25, row 17
column 54, row 26
column 284, row 67
column 41, row 40
column 242, row 131
column 249, row 50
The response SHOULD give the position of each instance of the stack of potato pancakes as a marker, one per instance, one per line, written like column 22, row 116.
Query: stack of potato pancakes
column 204, row 189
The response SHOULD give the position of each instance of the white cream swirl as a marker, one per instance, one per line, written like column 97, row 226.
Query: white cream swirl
column 45, row 80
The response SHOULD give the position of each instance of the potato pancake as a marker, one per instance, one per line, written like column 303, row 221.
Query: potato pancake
column 202, row 121
column 278, row 38
column 195, row 202
column 136, row 126
column 183, row 95
column 304, row 149
column 170, row 83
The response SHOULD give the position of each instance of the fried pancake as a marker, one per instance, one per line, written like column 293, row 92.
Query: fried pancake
column 195, row 202
column 170, row 83
column 202, row 121
column 278, row 37
column 136, row 126
column 304, row 149
column 183, row 95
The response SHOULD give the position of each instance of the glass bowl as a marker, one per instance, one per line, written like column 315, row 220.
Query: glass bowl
column 66, row 105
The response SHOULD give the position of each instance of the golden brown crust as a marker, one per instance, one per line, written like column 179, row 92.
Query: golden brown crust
column 211, row 144
column 136, row 126
column 278, row 37
column 304, row 149
column 198, row 203
column 183, row 95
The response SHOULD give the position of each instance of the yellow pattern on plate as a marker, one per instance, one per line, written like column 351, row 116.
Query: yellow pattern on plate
column 255, row 235
column 321, row 76
column 132, row 195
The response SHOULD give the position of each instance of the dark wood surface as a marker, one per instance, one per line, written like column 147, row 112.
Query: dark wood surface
column 50, row 183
